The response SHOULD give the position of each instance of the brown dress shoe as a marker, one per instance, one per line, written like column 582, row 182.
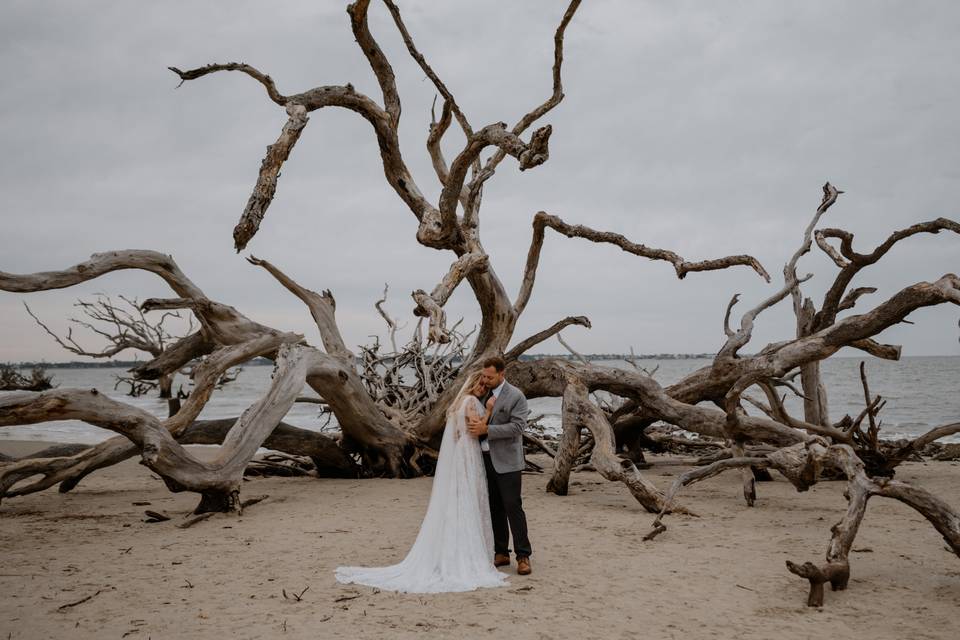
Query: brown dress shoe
column 501, row 559
column 523, row 566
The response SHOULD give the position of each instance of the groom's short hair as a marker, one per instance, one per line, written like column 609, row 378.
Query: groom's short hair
column 496, row 362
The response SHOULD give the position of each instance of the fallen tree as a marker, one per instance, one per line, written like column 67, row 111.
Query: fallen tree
column 391, row 429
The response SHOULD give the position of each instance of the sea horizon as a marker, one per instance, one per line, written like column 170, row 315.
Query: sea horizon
column 920, row 393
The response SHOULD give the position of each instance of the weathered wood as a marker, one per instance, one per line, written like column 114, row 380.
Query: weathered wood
column 431, row 305
column 266, row 186
column 322, row 307
column 218, row 481
column 329, row 459
column 579, row 410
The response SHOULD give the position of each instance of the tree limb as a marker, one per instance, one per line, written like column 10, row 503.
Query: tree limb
column 322, row 308
column 542, row 220
column 262, row 78
column 832, row 303
column 431, row 305
column 449, row 101
column 266, row 185
column 525, row 345
column 378, row 61
column 489, row 168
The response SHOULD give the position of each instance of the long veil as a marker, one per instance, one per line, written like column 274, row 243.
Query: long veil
column 453, row 550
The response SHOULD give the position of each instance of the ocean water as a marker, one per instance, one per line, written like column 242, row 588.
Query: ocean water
column 921, row 392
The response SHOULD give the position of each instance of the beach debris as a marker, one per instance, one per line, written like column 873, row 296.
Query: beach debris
column 344, row 598
column 192, row 521
column 155, row 516
column 70, row 605
column 293, row 595
column 12, row 380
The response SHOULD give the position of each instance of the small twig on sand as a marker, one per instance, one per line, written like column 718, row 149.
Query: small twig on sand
column 350, row 597
column 64, row 607
column 153, row 516
column 294, row 596
column 193, row 521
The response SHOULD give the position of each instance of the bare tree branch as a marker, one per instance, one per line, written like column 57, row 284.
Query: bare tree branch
column 525, row 345
column 832, row 303
column 579, row 410
column 322, row 308
column 126, row 331
column 851, row 298
column 726, row 316
column 741, row 337
column 576, row 354
column 542, row 220
column 378, row 61
column 529, row 155
column 99, row 264
column 449, row 101
column 391, row 323
column 431, row 305
column 262, row 78
column 437, row 129
column 489, row 168
column 874, row 348
column 266, row 186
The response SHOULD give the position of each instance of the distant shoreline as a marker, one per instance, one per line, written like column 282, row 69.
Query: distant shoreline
column 117, row 364
column 114, row 364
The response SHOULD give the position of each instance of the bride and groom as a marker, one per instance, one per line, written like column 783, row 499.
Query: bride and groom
column 475, row 501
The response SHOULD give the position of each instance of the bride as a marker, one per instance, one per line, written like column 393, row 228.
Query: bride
column 454, row 548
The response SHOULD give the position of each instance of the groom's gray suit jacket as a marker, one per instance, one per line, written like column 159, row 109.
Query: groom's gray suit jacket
column 505, row 430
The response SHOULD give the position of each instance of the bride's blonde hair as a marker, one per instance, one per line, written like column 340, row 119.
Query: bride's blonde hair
column 471, row 382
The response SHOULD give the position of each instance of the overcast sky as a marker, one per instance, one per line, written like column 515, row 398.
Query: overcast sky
column 705, row 128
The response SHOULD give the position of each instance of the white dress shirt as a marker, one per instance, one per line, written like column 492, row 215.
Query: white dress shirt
column 484, row 445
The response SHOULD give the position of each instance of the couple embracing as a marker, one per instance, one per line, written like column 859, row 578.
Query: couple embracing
column 475, row 502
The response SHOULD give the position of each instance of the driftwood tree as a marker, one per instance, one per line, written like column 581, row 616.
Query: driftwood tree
column 12, row 380
column 388, row 438
column 123, row 327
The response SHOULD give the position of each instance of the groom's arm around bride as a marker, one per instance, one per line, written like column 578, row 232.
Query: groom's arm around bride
column 506, row 419
column 509, row 417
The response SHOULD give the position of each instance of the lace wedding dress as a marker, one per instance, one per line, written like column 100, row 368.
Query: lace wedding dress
column 454, row 548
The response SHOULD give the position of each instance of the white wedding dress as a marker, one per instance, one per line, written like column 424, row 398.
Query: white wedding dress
column 454, row 548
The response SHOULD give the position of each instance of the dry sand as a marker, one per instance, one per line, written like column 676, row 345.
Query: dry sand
column 718, row 576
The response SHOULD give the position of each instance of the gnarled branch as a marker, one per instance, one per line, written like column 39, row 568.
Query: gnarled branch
column 262, row 78
column 832, row 303
column 322, row 308
column 525, row 345
column 266, row 186
column 489, row 168
column 431, row 305
column 542, row 220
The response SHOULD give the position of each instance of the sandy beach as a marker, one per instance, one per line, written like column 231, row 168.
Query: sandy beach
column 721, row 575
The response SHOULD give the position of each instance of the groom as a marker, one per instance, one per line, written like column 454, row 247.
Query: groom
column 501, row 440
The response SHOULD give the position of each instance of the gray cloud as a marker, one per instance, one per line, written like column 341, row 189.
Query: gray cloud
column 705, row 128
